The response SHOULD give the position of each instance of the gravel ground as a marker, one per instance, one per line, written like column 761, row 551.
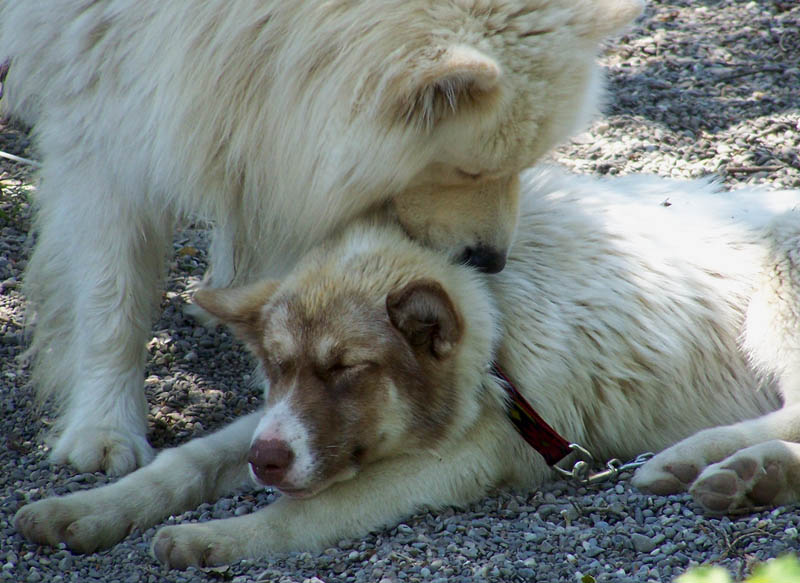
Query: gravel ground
column 697, row 88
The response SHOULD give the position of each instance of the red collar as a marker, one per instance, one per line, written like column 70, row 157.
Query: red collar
column 533, row 429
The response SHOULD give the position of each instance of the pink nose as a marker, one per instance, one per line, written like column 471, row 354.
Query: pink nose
column 270, row 460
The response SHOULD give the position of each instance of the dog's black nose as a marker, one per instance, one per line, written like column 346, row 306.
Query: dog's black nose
column 270, row 460
column 485, row 259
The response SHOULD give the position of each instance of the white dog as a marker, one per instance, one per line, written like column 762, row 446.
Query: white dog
column 280, row 121
column 632, row 314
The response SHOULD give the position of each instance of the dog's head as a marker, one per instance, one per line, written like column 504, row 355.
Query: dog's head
column 431, row 107
column 486, row 96
column 372, row 348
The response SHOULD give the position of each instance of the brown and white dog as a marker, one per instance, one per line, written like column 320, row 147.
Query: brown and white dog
column 628, row 324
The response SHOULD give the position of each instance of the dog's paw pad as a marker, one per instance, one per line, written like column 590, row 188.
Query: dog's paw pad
column 741, row 482
column 768, row 486
column 719, row 491
column 665, row 478
column 745, row 467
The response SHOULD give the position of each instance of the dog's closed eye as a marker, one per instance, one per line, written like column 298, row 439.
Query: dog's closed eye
column 349, row 367
column 342, row 370
column 278, row 367
column 469, row 175
column 338, row 368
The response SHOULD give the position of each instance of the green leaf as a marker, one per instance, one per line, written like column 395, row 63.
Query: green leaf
column 705, row 574
column 785, row 569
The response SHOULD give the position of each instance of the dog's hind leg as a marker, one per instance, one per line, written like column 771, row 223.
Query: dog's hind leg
column 772, row 330
column 732, row 447
column 768, row 472
column 178, row 479
column 94, row 281
column 755, row 462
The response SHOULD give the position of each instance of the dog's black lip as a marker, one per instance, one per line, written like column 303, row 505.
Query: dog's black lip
column 495, row 267
column 484, row 258
column 358, row 454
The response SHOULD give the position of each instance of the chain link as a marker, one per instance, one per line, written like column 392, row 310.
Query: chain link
column 582, row 470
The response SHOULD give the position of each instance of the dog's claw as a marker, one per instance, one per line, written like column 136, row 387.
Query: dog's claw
column 191, row 545
column 162, row 550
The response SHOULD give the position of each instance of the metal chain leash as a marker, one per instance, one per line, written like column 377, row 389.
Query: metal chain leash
column 582, row 470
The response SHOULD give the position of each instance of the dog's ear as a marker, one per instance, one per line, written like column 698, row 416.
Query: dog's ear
column 439, row 85
column 425, row 315
column 239, row 308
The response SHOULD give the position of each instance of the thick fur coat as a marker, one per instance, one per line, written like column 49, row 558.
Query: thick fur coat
column 635, row 314
column 279, row 122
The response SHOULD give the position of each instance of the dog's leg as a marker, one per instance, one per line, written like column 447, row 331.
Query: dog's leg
column 772, row 328
column 678, row 467
column 747, row 463
column 94, row 280
column 767, row 473
column 178, row 479
column 381, row 495
column 222, row 256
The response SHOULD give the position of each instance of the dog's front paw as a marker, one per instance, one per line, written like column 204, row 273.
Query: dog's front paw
column 73, row 520
column 676, row 468
column 756, row 476
column 194, row 545
column 664, row 474
column 100, row 448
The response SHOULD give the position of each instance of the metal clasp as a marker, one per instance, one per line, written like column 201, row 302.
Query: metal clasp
column 582, row 469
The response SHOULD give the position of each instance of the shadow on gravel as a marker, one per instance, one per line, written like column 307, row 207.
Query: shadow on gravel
column 698, row 69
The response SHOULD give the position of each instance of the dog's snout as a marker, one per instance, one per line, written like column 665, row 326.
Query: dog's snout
column 484, row 258
column 270, row 460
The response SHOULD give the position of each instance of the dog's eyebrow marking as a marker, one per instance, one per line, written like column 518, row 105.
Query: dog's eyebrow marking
column 325, row 349
column 279, row 337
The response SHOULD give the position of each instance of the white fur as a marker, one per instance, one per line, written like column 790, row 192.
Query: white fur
column 628, row 324
column 283, row 341
column 279, row 121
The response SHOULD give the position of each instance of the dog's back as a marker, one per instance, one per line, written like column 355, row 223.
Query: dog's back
column 624, row 305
